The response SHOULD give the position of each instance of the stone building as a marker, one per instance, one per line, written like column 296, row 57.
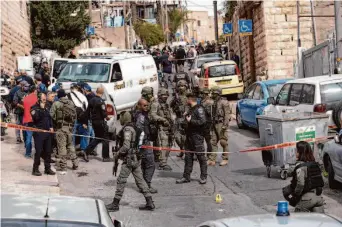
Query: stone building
column 271, row 52
column 15, row 33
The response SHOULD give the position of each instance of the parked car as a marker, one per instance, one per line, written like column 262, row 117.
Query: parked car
column 62, row 211
column 197, row 64
column 332, row 160
column 224, row 74
column 254, row 100
column 314, row 94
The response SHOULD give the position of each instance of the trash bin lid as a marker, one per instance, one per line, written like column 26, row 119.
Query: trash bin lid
column 293, row 116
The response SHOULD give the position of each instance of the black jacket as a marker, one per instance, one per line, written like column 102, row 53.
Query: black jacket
column 96, row 109
column 41, row 117
column 198, row 120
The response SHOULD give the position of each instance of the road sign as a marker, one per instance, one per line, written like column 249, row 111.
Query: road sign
column 90, row 30
column 228, row 29
column 178, row 34
column 245, row 27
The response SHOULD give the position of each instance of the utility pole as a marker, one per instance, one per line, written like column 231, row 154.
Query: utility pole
column 90, row 9
column 166, row 24
column 338, row 28
column 313, row 23
column 125, row 24
column 216, row 22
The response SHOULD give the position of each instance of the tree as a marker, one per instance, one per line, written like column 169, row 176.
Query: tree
column 229, row 7
column 58, row 25
column 176, row 18
column 150, row 34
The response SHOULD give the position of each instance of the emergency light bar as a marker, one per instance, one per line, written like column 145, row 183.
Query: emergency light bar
column 108, row 51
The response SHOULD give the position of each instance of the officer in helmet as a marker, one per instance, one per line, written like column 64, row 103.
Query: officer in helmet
column 305, row 190
column 147, row 94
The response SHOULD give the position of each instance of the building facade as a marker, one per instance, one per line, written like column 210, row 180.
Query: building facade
column 15, row 33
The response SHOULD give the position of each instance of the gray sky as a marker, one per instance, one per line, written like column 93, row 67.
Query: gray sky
column 201, row 5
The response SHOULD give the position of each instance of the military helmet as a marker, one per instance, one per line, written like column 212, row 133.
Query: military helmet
column 163, row 91
column 125, row 118
column 205, row 90
column 182, row 83
column 216, row 90
column 147, row 91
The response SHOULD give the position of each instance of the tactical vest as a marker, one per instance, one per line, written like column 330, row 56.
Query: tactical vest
column 134, row 137
column 181, row 76
column 179, row 109
column 66, row 113
column 313, row 179
column 164, row 111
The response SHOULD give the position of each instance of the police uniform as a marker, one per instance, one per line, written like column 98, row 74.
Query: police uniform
column 42, row 140
column 221, row 117
column 161, row 116
column 195, row 142
column 128, row 152
column 97, row 114
column 304, row 192
column 208, row 104
column 63, row 133
column 179, row 106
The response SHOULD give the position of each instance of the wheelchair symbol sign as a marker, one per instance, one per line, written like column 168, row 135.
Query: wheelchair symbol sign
column 245, row 27
column 228, row 29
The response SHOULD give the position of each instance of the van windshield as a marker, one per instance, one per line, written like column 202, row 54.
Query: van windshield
column 85, row 71
column 222, row 70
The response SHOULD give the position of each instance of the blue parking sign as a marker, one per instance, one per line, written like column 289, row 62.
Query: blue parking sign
column 228, row 29
column 90, row 30
column 245, row 27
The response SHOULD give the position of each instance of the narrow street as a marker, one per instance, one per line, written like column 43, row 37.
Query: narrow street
column 243, row 186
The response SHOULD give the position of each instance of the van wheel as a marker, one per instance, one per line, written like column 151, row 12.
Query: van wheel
column 333, row 184
column 239, row 121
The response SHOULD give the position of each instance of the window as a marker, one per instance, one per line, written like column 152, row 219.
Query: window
column 295, row 94
column 283, row 95
column 222, row 70
column 199, row 23
column 249, row 93
column 274, row 89
column 331, row 92
column 308, row 94
column 116, row 75
column 257, row 95
column 200, row 62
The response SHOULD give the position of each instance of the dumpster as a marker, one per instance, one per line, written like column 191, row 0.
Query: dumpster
column 276, row 128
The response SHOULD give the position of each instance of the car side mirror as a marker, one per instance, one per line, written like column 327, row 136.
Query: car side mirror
column 240, row 96
column 271, row 100
column 337, row 139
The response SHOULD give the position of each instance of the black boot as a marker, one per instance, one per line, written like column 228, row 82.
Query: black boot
column 35, row 172
column 85, row 156
column 149, row 204
column 49, row 172
column 114, row 206
column 152, row 190
column 182, row 181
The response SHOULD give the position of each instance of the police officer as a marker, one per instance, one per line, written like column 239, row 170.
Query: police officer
column 304, row 192
column 221, row 117
column 128, row 152
column 161, row 116
column 147, row 94
column 142, row 124
column 179, row 105
column 196, row 122
column 63, row 113
column 207, row 103
column 42, row 140
column 97, row 113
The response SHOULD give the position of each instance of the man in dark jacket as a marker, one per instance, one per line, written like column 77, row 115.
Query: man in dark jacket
column 180, row 54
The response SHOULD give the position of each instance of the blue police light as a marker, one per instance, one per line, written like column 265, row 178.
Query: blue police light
column 283, row 208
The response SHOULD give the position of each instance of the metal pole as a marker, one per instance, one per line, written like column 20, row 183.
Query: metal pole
column 216, row 22
column 313, row 24
column 298, row 33
column 338, row 27
column 167, row 24
column 90, row 9
column 125, row 24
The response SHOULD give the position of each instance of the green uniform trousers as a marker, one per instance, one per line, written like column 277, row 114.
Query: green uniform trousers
column 65, row 148
column 219, row 135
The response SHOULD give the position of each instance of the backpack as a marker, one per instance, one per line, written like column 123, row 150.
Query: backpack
column 69, row 111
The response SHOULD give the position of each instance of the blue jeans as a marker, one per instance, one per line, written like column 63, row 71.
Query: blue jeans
column 28, row 140
column 79, row 129
column 91, row 132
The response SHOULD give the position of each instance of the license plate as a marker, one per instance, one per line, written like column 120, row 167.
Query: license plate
column 224, row 82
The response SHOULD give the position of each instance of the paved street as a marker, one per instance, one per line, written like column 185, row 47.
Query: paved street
column 243, row 185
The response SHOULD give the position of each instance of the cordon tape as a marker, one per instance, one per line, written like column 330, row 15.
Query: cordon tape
column 265, row 148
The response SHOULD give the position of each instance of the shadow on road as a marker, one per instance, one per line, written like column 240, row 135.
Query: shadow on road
column 165, row 174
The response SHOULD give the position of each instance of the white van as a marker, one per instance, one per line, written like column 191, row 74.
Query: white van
column 122, row 75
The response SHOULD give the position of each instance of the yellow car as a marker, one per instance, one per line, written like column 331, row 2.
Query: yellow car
column 224, row 74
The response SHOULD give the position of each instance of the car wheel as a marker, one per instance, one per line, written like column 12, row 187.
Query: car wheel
column 336, row 113
column 239, row 121
column 333, row 184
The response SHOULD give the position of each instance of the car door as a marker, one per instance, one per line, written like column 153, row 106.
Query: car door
column 244, row 104
column 282, row 99
column 256, row 103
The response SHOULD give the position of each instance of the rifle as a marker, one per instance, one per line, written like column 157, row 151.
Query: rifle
column 116, row 158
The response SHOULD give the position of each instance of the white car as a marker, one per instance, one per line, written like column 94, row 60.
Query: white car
column 314, row 94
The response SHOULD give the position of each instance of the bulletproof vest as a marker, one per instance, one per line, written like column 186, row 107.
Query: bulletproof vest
column 181, row 102
column 165, row 113
column 67, row 112
column 122, row 138
column 181, row 76
column 209, row 108
column 314, row 177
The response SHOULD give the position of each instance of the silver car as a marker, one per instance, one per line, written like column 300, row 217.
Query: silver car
column 332, row 160
column 61, row 211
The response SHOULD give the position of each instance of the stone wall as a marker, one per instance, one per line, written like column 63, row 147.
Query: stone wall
column 15, row 33
column 324, row 25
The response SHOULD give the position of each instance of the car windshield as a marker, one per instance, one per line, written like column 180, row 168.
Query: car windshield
column 43, row 223
column 85, row 71
column 202, row 61
column 331, row 92
column 222, row 70
column 273, row 89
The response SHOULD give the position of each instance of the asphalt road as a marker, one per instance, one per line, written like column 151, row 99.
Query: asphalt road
column 242, row 184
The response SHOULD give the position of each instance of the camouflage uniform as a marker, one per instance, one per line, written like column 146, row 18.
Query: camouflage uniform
column 63, row 134
column 147, row 94
column 221, row 117
column 128, row 152
column 161, row 116
column 179, row 106
column 208, row 103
